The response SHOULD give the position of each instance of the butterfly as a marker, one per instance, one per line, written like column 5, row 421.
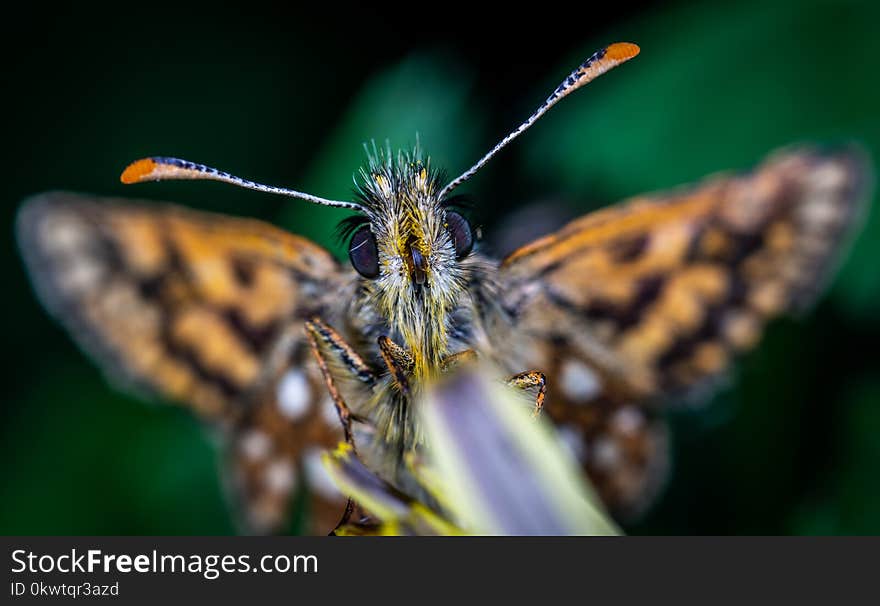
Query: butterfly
column 284, row 350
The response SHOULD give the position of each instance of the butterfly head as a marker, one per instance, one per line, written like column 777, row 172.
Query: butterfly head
column 410, row 247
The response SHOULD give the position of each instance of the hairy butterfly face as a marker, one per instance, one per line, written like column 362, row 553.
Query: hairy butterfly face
column 410, row 248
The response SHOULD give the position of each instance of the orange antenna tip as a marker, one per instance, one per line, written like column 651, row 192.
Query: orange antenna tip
column 138, row 171
column 622, row 51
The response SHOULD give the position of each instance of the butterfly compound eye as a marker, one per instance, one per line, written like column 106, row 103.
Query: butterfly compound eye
column 461, row 232
column 363, row 253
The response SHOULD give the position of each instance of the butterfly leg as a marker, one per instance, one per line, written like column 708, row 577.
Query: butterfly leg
column 320, row 334
column 398, row 361
column 529, row 380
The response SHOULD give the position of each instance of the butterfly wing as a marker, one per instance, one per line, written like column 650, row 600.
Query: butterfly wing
column 204, row 310
column 654, row 297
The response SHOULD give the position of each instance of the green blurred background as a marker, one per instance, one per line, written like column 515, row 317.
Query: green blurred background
column 287, row 96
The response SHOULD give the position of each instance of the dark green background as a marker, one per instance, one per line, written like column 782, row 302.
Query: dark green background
column 283, row 95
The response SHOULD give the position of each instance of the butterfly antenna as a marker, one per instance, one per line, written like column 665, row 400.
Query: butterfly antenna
column 168, row 169
column 599, row 62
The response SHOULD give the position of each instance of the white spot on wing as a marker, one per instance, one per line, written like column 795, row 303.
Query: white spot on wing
column 606, row 454
column 294, row 394
column 579, row 382
column 254, row 445
column 81, row 276
column 829, row 175
column 280, row 476
column 63, row 234
column 820, row 211
column 628, row 420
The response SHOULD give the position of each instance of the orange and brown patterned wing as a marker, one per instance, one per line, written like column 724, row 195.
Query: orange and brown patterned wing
column 204, row 310
column 655, row 296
